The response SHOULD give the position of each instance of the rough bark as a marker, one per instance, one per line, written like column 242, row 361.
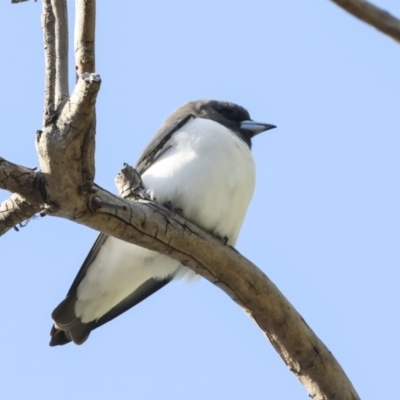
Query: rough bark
column 25, row 181
column 16, row 211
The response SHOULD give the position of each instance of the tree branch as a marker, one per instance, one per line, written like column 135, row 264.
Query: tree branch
column 22, row 180
column 66, row 147
column 48, row 26
column 61, row 47
column 372, row 15
column 14, row 211
column 28, row 198
column 70, row 142
column 85, row 11
column 150, row 225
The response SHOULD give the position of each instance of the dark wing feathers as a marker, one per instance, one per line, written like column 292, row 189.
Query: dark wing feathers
column 156, row 147
column 69, row 326
column 142, row 292
column 88, row 262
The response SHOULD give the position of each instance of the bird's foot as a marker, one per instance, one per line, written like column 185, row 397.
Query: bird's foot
column 174, row 210
column 224, row 239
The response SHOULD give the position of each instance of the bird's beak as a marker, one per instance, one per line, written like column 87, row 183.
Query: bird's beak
column 255, row 127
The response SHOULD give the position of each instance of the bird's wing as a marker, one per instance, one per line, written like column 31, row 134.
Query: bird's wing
column 88, row 262
column 158, row 145
column 68, row 327
column 154, row 149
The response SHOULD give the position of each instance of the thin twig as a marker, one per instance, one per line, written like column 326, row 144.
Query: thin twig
column 372, row 15
column 61, row 45
column 85, row 11
column 48, row 26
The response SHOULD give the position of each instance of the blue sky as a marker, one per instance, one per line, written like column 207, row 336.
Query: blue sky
column 324, row 223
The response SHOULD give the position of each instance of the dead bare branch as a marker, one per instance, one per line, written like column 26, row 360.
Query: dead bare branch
column 22, row 180
column 150, row 225
column 85, row 36
column 372, row 15
column 14, row 211
column 48, row 26
column 70, row 142
column 61, row 47
column 66, row 148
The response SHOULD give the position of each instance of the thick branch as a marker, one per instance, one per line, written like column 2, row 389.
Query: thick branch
column 61, row 45
column 372, row 15
column 85, row 11
column 152, row 226
column 14, row 211
column 66, row 148
column 22, row 180
column 296, row 343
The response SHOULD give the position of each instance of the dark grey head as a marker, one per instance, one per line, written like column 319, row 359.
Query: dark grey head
column 230, row 115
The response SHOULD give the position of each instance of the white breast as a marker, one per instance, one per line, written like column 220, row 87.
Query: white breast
column 208, row 172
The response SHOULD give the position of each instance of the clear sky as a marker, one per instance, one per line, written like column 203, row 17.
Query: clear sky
column 324, row 223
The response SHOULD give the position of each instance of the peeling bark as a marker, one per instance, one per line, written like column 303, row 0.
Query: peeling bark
column 25, row 181
column 16, row 211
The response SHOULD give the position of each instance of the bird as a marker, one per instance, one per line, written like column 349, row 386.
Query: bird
column 200, row 162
